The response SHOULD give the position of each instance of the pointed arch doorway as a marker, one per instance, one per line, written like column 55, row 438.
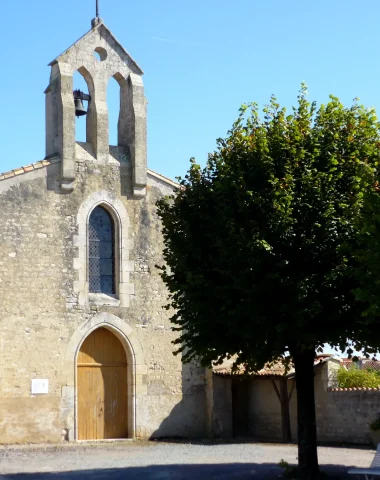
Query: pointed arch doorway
column 102, row 383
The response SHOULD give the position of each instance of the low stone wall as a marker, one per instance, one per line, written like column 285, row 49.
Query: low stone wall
column 343, row 416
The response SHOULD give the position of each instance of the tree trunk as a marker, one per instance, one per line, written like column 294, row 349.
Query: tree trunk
column 306, row 424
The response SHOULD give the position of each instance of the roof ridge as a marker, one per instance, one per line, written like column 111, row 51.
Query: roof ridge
column 49, row 161
column 354, row 389
column 28, row 168
column 97, row 27
column 163, row 177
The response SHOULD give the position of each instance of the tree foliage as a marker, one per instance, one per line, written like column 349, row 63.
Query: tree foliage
column 366, row 252
column 265, row 244
column 357, row 378
column 256, row 242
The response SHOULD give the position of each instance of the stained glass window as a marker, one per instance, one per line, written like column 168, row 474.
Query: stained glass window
column 101, row 255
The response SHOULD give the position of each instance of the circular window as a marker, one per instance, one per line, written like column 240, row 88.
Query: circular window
column 100, row 54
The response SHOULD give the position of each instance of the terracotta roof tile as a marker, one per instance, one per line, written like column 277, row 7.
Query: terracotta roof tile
column 27, row 168
column 359, row 389
column 276, row 369
column 374, row 364
column 162, row 177
column 362, row 363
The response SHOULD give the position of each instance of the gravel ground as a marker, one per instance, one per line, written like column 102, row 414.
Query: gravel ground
column 158, row 461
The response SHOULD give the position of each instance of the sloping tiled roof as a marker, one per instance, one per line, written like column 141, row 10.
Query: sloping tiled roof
column 28, row 168
column 363, row 363
column 347, row 362
column 276, row 369
column 159, row 176
column 374, row 364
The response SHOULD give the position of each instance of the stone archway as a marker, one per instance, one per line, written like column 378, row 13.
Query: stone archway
column 135, row 365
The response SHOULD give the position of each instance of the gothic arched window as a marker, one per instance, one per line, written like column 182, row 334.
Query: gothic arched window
column 101, row 252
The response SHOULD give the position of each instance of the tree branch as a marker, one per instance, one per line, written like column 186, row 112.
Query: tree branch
column 276, row 390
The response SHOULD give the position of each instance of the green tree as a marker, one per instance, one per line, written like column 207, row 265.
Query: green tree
column 355, row 378
column 366, row 252
column 257, row 263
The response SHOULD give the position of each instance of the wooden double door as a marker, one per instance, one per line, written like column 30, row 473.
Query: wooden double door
column 102, row 383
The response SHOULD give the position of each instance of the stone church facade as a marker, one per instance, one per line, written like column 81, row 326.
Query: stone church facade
column 85, row 343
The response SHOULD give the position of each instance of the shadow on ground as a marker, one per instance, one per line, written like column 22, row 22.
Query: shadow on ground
column 234, row 471
column 253, row 441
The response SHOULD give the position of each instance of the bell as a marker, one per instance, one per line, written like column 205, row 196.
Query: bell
column 79, row 108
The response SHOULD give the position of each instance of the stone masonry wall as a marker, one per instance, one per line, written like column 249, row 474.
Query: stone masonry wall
column 342, row 416
column 264, row 410
column 40, row 311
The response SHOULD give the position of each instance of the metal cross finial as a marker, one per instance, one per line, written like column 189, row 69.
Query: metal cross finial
column 97, row 8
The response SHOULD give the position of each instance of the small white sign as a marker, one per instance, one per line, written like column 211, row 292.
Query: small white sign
column 40, row 386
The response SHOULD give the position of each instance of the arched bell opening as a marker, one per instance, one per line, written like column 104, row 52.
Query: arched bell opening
column 104, row 372
column 124, row 116
column 114, row 106
column 85, row 112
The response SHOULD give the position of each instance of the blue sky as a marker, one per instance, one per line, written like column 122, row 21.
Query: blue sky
column 201, row 59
